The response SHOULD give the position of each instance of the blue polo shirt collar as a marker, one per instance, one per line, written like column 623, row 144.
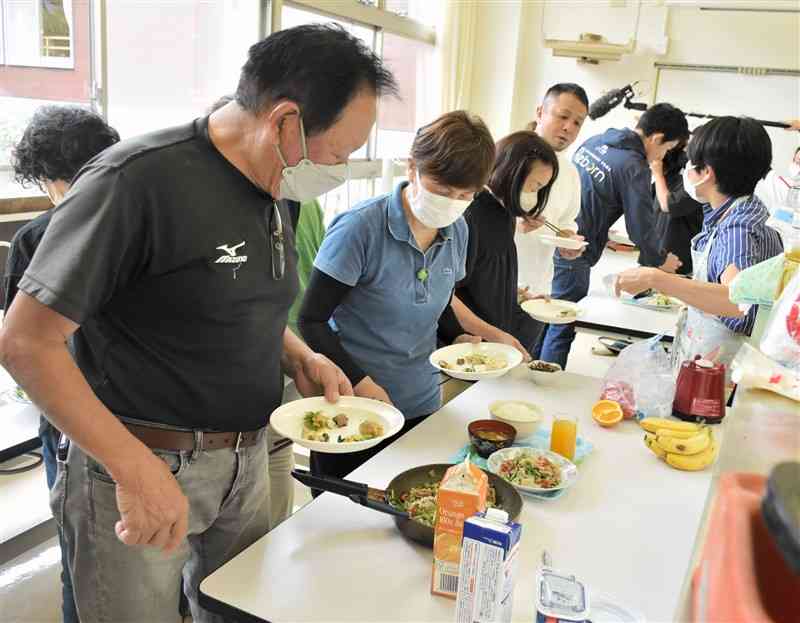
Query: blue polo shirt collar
column 397, row 223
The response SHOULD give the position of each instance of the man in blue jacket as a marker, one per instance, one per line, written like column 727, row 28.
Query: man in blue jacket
column 615, row 180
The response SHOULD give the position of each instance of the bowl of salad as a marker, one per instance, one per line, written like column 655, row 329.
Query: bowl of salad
column 532, row 469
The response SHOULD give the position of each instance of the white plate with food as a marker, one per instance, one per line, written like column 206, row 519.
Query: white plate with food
column 657, row 301
column 350, row 425
column 620, row 237
column 532, row 469
column 16, row 394
column 552, row 311
column 562, row 241
column 473, row 362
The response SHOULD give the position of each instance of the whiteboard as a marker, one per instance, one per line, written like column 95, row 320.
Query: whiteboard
column 771, row 98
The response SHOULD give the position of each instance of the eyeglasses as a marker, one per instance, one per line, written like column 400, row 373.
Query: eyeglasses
column 275, row 227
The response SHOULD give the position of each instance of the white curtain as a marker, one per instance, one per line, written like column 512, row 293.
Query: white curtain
column 456, row 48
column 68, row 15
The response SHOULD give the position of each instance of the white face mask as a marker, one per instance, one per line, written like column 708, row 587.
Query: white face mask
column 691, row 187
column 528, row 201
column 308, row 180
column 794, row 169
column 434, row 211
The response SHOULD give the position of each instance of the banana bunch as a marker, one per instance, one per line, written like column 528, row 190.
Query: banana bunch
column 682, row 445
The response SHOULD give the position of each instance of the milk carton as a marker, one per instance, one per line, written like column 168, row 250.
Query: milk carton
column 488, row 568
column 462, row 493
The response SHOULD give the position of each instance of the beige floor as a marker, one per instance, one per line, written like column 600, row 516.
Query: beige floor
column 30, row 585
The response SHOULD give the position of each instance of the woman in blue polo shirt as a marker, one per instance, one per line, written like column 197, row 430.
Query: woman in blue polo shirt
column 386, row 271
column 727, row 157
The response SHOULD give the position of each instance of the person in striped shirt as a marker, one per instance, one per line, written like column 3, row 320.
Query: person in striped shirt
column 727, row 157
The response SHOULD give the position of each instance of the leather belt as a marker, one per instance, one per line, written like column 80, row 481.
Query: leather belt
column 165, row 439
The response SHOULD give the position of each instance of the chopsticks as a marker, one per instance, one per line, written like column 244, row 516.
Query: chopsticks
column 280, row 445
column 553, row 228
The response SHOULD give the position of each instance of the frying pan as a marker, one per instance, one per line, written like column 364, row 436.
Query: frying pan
column 507, row 497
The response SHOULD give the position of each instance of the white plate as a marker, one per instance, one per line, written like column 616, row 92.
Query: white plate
column 287, row 420
column 564, row 243
column 605, row 609
column 548, row 311
column 647, row 303
column 13, row 395
column 620, row 237
column 569, row 472
column 449, row 354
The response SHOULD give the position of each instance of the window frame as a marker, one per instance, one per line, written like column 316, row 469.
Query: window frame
column 380, row 20
column 377, row 17
column 44, row 62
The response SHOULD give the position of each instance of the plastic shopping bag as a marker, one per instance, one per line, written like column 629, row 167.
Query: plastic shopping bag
column 641, row 380
column 781, row 340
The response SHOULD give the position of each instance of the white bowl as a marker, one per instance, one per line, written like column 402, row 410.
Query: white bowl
column 540, row 377
column 450, row 354
column 526, row 423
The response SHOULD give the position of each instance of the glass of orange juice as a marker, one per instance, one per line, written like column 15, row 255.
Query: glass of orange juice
column 564, row 435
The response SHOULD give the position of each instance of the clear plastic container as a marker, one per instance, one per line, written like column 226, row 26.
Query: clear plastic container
column 561, row 596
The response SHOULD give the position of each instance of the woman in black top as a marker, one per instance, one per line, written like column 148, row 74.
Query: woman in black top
column 679, row 217
column 485, row 302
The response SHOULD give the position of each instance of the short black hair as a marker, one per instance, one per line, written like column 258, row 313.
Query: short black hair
column 515, row 156
column 568, row 87
column 737, row 148
column 58, row 141
column 664, row 119
column 321, row 67
column 796, row 150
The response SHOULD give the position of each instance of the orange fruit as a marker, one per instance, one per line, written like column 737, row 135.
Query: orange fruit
column 607, row 413
column 447, row 547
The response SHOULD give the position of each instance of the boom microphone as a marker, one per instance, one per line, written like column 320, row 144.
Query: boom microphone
column 612, row 99
column 603, row 105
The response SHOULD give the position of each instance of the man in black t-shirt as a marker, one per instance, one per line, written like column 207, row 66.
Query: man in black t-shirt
column 172, row 256
column 57, row 142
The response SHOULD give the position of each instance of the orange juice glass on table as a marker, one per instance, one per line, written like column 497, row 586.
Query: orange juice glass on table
column 564, row 435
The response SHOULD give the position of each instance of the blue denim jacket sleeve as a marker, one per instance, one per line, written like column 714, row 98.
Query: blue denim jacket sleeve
column 640, row 217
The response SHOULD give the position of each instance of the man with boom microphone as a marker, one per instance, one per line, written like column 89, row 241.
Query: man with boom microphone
column 615, row 180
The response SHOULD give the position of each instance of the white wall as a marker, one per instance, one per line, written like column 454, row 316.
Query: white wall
column 494, row 79
column 513, row 30
column 169, row 61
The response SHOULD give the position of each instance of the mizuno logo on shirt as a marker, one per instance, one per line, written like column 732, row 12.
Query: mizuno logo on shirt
column 231, row 250
column 231, row 257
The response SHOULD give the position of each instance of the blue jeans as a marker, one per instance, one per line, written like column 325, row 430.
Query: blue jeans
column 49, row 435
column 570, row 283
